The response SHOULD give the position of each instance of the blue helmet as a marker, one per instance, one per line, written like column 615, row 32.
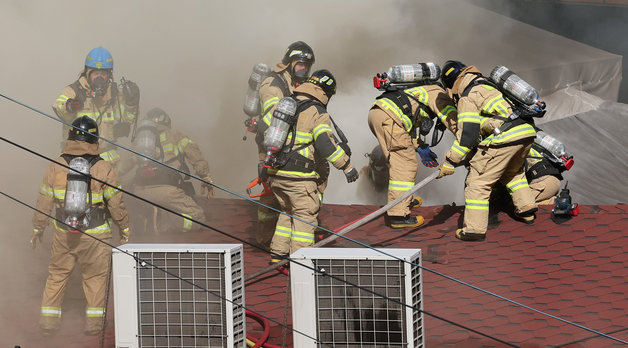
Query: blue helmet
column 99, row 58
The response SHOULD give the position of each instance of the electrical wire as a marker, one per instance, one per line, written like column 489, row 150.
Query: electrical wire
column 322, row 228
column 243, row 241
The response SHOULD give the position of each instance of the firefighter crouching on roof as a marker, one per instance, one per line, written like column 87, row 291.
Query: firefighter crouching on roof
column 544, row 166
column 294, row 176
column 95, row 94
column 482, row 109
column 292, row 70
column 156, row 138
column 393, row 119
column 87, row 205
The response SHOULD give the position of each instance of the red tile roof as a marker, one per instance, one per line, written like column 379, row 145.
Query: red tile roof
column 576, row 271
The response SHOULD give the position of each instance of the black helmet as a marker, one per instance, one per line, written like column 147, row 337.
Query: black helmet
column 325, row 80
column 299, row 51
column 84, row 130
column 450, row 72
column 158, row 116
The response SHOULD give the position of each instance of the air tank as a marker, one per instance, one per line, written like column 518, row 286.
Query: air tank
column 514, row 85
column 551, row 144
column 76, row 199
column 252, row 102
column 409, row 73
column 283, row 117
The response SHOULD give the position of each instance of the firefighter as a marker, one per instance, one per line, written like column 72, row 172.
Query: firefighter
column 70, row 193
column 165, row 186
column 393, row 119
column 544, row 175
column 494, row 145
column 95, row 94
column 294, row 183
column 292, row 70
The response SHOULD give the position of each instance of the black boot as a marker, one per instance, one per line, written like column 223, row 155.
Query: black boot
column 403, row 221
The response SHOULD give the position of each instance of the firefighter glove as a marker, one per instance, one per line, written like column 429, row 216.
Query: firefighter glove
column 36, row 236
column 428, row 157
column 73, row 105
column 124, row 235
column 131, row 93
column 445, row 169
column 207, row 187
column 351, row 175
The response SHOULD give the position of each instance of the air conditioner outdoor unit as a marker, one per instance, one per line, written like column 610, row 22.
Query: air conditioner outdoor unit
column 340, row 314
column 155, row 309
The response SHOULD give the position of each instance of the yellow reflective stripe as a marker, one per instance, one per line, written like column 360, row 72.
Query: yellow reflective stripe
column 447, row 165
column 63, row 98
column 400, row 185
column 46, row 190
column 110, row 192
column 95, row 312
column 303, row 237
column 336, row 154
column 183, row 143
column 269, row 104
column 104, row 228
column 287, row 172
column 497, row 104
column 459, row 149
column 51, row 312
column 305, row 152
column 303, row 137
column 187, row 223
column 96, row 198
column 283, row 231
column 421, row 95
column 519, row 131
column 162, row 137
column 515, row 185
column 534, row 153
column 470, row 117
column 444, row 113
column 320, row 129
column 476, row 204
column 264, row 216
column 320, row 196
column 267, row 118
column 59, row 194
column 387, row 104
column 110, row 155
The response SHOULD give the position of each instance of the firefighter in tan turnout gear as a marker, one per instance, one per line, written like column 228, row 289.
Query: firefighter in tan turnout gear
column 500, row 142
column 86, row 205
column 396, row 118
column 300, row 130
column 292, row 70
column 156, row 138
column 95, row 94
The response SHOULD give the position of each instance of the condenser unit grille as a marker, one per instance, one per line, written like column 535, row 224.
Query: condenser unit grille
column 349, row 316
column 175, row 313
column 357, row 297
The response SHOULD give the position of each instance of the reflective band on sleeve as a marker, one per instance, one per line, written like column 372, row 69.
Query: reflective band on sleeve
column 47, row 190
column 111, row 191
column 470, row 117
column 111, row 155
column 459, row 149
column 320, row 129
column 336, row 154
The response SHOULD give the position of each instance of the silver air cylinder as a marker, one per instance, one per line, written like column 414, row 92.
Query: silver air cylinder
column 550, row 143
column 76, row 200
column 251, row 101
column 408, row 73
column 283, row 117
column 513, row 84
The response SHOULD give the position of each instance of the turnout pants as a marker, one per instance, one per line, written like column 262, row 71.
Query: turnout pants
column 489, row 165
column 94, row 259
column 175, row 199
column 545, row 189
column 299, row 199
column 399, row 148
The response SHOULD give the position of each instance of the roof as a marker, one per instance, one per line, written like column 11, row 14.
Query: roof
column 576, row 271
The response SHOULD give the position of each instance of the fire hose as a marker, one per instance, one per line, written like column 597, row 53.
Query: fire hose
column 347, row 228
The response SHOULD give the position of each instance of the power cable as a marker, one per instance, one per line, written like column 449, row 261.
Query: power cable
column 322, row 228
column 145, row 263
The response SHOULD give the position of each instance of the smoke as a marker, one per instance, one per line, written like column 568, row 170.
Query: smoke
column 193, row 59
